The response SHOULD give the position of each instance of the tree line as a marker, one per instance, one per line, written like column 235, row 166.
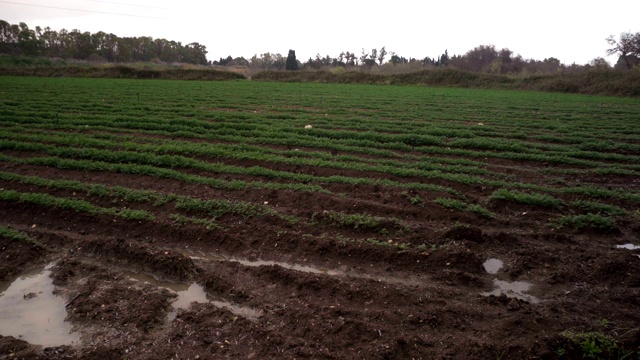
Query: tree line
column 100, row 47
column 481, row 59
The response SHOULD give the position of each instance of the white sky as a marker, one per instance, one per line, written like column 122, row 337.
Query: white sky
column 572, row 31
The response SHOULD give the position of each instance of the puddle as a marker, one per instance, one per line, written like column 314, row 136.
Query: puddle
column 492, row 266
column 256, row 263
column 296, row 267
column 30, row 311
column 194, row 292
column 302, row 268
column 628, row 247
column 514, row 289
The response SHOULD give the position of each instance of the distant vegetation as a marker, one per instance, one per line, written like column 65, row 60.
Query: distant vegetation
column 131, row 71
column 50, row 53
column 600, row 82
column 97, row 47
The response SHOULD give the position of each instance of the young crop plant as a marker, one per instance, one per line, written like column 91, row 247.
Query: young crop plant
column 117, row 192
column 79, row 206
column 599, row 208
column 533, row 199
column 452, row 203
column 88, row 165
column 180, row 220
column 463, row 206
column 478, row 209
column 217, row 208
column 587, row 221
column 356, row 221
column 414, row 200
column 9, row 233
column 592, row 345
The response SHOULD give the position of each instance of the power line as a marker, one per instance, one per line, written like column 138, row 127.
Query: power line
column 119, row 3
column 87, row 11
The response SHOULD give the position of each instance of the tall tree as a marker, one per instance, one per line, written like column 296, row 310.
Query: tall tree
column 444, row 58
column 292, row 62
column 381, row 55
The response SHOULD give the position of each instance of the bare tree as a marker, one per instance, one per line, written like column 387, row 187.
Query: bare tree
column 381, row 55
column 628, row 48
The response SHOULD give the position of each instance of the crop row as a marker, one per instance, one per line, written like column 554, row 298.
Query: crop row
column 212, row 208
column 163, row 161
column 443, row 144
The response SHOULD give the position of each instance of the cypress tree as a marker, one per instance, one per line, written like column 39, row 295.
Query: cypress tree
column 292, row 62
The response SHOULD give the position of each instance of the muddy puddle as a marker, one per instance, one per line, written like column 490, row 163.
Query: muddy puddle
column 190, row 293
column 515, row 289
column 256, row 263
column 30, row 311
column 492, row 266
column 199, row 255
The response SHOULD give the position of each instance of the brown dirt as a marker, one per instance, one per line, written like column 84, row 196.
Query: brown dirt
column 362, row 299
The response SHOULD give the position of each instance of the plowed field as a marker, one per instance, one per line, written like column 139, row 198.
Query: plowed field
column 254, row 220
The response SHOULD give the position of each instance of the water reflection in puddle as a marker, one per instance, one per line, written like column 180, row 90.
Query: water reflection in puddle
column 296, row 267
column 492, row 266
column 194, row 292
column 302, row 268
column 514, row 289
column 628, row 247
column 30, row 311
column 256, row 263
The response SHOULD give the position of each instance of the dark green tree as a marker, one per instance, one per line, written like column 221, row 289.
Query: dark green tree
column 292, row 62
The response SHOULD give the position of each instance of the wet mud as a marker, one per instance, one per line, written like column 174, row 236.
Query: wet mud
column 265, row 287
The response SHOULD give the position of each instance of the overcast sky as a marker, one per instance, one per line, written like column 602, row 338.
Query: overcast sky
column 572, row 31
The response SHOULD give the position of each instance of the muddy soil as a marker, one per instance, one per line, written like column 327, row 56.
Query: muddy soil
column 442, row 285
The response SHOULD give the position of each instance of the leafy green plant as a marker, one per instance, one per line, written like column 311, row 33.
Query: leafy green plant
column 592, row 345
column 590, row 349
